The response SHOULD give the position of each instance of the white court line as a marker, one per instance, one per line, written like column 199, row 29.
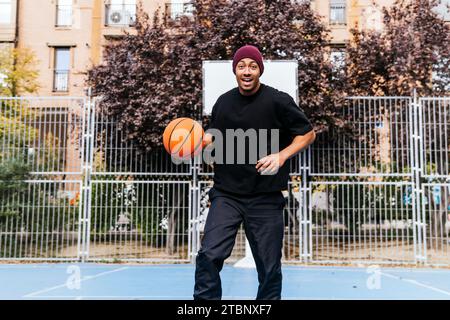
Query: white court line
column 139, row 297
column 32, row 294
column 417, row 283
column 364, row 269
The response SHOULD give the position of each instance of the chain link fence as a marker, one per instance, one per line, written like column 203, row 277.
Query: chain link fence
column 73, row 188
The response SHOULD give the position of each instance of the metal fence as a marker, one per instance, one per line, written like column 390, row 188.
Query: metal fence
column 41, row 157
column 139, row 220
column 73, row 188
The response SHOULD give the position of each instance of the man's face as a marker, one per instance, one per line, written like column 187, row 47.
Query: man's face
column 247, row 74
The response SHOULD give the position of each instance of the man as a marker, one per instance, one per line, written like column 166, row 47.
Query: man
column 250, row 193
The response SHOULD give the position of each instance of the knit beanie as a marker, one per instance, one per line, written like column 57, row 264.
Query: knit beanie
column 251, row 52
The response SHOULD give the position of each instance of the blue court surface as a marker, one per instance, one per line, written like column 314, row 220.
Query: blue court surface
column 176, row 282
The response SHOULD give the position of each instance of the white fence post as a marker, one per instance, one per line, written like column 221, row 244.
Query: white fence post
column 87, row 162
column 416, row 174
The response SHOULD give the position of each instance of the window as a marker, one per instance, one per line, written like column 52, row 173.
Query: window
column 337, row 58
column 443, row 10
column 439, row 74
column 5, row 11
column 179, row 8
column 64, row 13
column 120, row 12
column 62, row 68
column 337, row 12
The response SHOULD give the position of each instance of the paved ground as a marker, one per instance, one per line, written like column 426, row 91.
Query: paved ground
column 125, row 281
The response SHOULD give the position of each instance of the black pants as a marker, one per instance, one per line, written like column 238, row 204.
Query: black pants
column 262, row 215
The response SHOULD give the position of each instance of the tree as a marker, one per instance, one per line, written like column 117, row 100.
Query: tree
column 13, row 173
column 154, row 75
column 151, row 77
column 412, row 51
column 23, row 149
column 18, row 72
column 145, row 82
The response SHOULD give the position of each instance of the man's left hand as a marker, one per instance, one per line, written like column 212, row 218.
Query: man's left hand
column 270, row 164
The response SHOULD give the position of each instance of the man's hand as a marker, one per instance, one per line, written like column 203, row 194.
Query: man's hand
column 270, row 164
column 207, row 139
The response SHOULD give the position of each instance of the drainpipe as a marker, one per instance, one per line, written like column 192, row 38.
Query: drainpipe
column 16, row 36
column 16, row 44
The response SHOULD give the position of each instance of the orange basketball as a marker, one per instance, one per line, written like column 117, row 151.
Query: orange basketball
column 183, row 138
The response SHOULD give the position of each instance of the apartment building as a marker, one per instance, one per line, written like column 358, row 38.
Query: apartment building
column 68, row 36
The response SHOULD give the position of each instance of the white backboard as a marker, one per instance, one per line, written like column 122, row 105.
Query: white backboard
column 218, row 78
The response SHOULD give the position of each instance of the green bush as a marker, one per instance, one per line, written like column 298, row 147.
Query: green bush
column 13, row 173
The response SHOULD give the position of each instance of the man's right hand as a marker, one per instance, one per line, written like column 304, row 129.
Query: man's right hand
column 207, row 139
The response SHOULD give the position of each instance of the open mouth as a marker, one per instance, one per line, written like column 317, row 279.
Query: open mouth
column 247, row 80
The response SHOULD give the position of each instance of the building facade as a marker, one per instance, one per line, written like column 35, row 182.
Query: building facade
column 68, row 36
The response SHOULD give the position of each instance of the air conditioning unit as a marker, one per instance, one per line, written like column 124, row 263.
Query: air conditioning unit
column 117, row 18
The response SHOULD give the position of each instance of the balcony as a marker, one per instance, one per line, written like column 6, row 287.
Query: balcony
column 120, row 15
column 63, row 16
column 61, row 81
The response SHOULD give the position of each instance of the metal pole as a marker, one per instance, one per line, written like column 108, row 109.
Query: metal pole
column 193, row 240
column 88, row 124
column 416, row 172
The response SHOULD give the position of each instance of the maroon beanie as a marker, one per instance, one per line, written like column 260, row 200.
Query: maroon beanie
column 248, row 52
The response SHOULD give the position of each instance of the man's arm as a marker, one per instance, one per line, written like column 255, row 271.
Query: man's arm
column 271, row 163
column 298, row 144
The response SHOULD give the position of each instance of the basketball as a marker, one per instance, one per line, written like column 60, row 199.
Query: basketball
column 183, row 138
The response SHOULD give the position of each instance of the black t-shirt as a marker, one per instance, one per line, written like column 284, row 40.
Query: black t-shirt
column 267, row 109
